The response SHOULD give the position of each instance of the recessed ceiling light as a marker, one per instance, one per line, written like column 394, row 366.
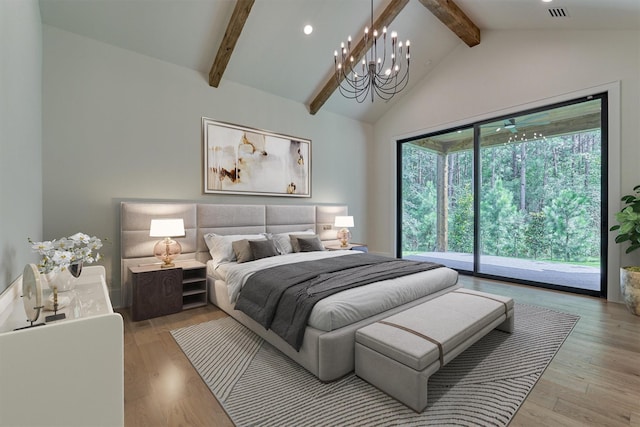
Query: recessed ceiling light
column 308, row 29
column 547, row 1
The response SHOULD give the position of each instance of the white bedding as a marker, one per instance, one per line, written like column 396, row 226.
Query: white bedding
column 348, row 306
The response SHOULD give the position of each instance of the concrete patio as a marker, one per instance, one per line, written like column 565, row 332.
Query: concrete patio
column 575, row 276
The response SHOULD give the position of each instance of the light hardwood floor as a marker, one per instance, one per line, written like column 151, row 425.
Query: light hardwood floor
column 593, row 380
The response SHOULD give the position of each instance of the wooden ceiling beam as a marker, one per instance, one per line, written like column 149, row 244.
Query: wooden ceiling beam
column 453, row 17
column 231, row 36
column 358, row 51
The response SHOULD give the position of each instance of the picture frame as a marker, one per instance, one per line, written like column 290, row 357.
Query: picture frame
column 244, row 160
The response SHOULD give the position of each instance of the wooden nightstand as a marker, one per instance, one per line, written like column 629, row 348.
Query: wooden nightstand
column 351, row 246
column 161, row 291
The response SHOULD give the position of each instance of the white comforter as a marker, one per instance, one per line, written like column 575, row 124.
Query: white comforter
column 348, row 306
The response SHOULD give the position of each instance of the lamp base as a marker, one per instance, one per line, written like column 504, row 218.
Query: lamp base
column 343, row 236
column 167, row 250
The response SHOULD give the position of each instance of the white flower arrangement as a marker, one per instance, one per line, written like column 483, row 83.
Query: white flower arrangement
column 59, row 254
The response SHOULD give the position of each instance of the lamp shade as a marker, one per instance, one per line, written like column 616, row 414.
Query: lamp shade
column 344, row 221
column 167, row 227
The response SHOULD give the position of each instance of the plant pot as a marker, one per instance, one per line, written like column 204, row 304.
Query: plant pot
column 630, row 289
column 64, row 280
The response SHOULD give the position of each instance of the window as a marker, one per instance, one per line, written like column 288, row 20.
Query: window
column 517, row 197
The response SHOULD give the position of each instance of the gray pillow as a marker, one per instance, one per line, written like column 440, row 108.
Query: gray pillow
column 262, row 248
column 283, row 240
column 310, row 244
column 294, row 240
column 243, row 251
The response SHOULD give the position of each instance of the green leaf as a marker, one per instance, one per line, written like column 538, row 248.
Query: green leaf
column 632, row 248
column 622, row 238
column 628, row 199
column 626, row 227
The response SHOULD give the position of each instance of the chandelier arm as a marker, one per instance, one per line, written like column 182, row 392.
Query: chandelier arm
column 352, row 70
column 394, row 86
column 384, row 54
column 385, row 94
column 398, row 86
column 352, row 90
column 358, row 95
column 348, row 91
column 384, row 81
column 355, row 84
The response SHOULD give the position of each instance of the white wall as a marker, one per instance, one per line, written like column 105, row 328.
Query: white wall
column 20, row 135
column 508, row 70
column 114, row 119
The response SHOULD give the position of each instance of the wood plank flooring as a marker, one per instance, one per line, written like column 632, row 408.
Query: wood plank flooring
column 593, row 380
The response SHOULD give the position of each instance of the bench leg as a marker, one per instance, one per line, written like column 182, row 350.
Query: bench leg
column 397, row 380
column 507, row 325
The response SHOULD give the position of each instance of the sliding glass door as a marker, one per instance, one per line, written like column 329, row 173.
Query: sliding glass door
column 517, row 197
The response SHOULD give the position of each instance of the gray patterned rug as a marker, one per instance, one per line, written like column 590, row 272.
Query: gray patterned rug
column 259, row 386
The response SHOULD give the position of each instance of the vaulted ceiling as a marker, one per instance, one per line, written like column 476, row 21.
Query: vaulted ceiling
column 271, row 53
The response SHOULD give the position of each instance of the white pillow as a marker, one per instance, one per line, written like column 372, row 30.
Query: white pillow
column 220, row 247
column 283, row 241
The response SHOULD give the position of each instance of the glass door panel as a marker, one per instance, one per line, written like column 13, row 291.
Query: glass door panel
column 540, row 196
column 436, row 212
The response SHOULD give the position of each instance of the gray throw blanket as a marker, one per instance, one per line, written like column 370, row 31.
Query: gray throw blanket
column 281, row 298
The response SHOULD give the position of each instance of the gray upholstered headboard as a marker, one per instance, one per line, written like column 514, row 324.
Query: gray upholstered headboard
column 202, row 218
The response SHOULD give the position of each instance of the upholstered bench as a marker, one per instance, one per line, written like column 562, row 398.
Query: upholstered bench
column 399, row 353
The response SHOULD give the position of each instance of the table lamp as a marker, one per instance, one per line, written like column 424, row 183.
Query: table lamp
column 167, row 249
column 344, row 222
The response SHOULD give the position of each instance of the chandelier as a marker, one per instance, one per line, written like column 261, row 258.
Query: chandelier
column 375, row 75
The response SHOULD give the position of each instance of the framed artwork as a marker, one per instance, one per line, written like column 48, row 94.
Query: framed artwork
column 242, row 160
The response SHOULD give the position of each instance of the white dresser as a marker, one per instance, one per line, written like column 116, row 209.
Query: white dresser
column 69, row 372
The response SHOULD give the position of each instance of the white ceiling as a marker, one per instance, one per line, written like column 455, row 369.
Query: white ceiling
column 273, row 54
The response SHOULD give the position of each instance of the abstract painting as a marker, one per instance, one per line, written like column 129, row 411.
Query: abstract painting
column 242, row 160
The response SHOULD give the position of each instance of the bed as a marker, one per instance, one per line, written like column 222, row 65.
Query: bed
column 327, row 349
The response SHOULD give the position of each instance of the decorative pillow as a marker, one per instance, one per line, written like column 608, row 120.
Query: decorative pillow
column 283, row 241
column 310, row 244
column 220, row 247
column 269, row 236
column 295, row 237
column 242, row 250
column 263, row 248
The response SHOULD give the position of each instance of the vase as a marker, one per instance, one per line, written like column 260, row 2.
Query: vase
column 66, row 279
column 630, row 289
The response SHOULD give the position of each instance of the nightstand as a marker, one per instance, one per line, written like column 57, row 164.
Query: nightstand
column 351, row 246
column 160, row 291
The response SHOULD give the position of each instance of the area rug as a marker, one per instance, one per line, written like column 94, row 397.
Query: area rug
column 259, row 386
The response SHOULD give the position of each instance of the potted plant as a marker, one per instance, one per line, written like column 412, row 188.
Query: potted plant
column 628, row 228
